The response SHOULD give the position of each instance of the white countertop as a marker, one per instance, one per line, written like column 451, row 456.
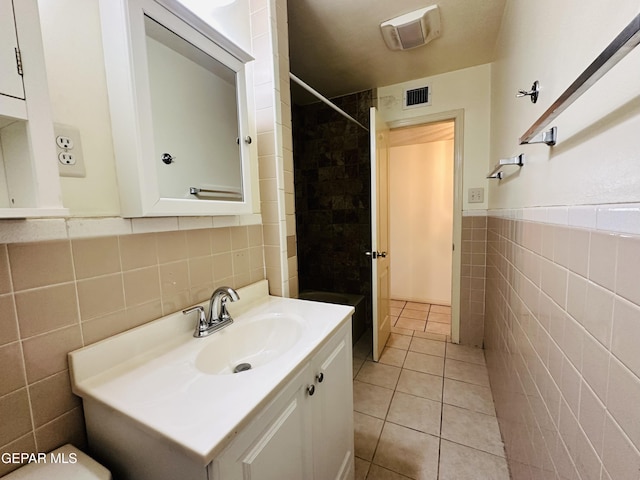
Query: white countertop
column 149, row 375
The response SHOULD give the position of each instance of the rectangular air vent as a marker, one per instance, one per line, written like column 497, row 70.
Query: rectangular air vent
column 417, row 97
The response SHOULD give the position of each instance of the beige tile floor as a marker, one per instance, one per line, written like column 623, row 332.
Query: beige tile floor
column 425, row 410
column 421, row 317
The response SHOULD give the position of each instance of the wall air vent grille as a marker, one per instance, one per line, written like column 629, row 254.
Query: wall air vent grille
column 417, row 97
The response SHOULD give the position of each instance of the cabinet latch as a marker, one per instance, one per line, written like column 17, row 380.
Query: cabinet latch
column 19, row 61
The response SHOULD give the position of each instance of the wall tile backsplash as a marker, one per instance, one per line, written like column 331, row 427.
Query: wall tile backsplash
column 472, row 279
column 57, row 296
column 562, row 323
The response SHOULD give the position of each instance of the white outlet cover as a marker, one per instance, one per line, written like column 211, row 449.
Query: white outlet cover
column 68, row 135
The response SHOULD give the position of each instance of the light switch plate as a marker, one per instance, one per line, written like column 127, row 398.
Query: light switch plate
column 476, row 195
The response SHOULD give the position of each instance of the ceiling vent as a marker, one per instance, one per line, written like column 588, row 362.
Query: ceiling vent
column 412, row 29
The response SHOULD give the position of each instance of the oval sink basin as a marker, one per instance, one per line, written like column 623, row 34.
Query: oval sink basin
column 249, row 345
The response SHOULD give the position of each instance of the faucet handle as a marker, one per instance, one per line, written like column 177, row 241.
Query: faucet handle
column 197, row 308
column 201, row 326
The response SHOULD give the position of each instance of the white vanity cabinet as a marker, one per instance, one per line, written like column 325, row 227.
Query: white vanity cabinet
column 154, row 410
column 332, row 410
column 29, row 180
column 307, row 431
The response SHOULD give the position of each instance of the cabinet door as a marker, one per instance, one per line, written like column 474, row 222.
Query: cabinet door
column 333, row 410
column 279, row 452
column 276, row 445
column 10, row 80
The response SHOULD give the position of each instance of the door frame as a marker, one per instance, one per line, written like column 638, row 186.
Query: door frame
column 457, row 116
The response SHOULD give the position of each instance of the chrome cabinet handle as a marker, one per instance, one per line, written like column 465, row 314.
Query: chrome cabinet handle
column 320, row 377
column 167, row 158
column 311, row 389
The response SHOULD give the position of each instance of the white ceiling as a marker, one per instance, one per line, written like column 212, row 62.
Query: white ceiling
column 336, row 46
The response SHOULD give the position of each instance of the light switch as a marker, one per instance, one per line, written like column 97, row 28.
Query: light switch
column 476, row 195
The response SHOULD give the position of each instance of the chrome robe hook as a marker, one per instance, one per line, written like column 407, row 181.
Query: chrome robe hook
column 533, row 93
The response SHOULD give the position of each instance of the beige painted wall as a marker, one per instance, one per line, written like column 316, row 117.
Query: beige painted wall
column 596, row 158
column 77, row 85
column 421, row 203
column 468, row 89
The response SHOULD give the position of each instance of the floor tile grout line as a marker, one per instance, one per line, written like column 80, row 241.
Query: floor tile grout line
column 442, row 403
column 413, row 429
column 441, row 415
column 473, row 448
column 427, row 373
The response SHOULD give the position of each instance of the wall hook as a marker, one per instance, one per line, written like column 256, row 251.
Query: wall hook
column 533, row 93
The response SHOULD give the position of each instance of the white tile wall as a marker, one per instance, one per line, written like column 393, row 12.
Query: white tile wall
column 38, row 230
column 618, row 218
column 562, row 324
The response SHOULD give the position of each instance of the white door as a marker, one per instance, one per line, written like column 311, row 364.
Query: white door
column 380, row 285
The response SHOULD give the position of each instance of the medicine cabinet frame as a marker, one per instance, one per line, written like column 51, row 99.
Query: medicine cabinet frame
column 125, row 51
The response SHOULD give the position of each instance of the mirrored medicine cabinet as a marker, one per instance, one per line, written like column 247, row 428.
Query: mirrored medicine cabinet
column 179, row 111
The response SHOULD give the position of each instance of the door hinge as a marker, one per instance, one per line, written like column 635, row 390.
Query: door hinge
column 19, row 61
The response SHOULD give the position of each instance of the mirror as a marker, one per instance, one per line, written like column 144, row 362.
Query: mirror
column 179, row 112
column 194, row 114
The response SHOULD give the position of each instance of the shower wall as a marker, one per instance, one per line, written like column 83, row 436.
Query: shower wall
column 333, row 199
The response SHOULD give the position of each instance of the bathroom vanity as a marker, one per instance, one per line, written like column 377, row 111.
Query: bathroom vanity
column 161, row 404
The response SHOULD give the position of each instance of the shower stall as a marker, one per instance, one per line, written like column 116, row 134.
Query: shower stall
column 332, row 174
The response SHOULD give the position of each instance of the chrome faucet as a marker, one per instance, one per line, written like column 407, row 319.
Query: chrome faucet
column 207, row 324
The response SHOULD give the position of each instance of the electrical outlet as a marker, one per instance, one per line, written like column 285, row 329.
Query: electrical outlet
column 67, row 158
column 64, row 142
column 476, row 195
column 69, row 150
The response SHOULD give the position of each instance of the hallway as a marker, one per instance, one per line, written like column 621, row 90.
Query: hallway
column 425, row 411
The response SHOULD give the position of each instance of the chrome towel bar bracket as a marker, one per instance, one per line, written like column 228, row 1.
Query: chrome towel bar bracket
column 517, row 161
column 549, row 137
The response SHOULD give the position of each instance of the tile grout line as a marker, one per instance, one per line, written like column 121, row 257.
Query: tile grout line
column 394, row 389
column 441, row 413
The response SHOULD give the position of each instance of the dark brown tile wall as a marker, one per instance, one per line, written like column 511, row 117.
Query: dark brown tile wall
column 333, row 199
